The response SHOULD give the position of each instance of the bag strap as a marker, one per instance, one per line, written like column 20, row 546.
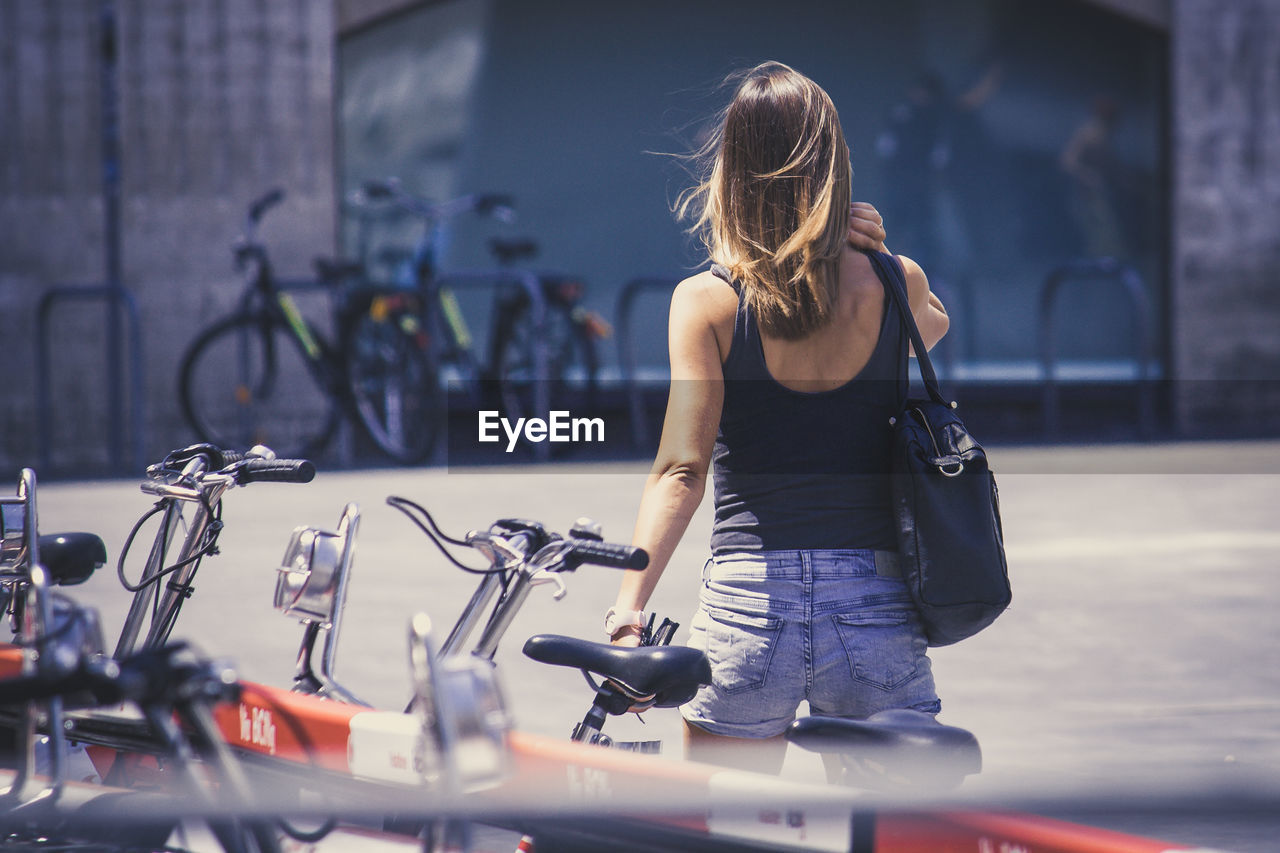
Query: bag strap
column 889, row 270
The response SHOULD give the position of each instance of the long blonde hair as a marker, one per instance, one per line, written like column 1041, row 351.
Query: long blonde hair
column 774, row 207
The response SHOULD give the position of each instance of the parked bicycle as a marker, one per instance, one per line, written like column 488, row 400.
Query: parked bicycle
column 60, row 691
column 407, row 780
column 541, row 350
column 265, row 374
column 197, row 477
column 61, row 667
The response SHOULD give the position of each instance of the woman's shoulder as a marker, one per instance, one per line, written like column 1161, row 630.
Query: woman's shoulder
column 706, row 294
column 707, row 302
column 917, row 283
column 863, row 275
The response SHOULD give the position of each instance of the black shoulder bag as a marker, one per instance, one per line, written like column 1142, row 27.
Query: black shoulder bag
column 945, row 503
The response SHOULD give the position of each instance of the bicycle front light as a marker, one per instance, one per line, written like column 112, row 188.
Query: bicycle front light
column 463, row 713
column 310, row 585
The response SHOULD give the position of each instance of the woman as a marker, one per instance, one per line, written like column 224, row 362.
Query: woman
column 787, row 361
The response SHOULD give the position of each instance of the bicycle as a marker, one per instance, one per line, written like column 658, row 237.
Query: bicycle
column 266, row 375
column 456, row 700
column 541, row 350
column 62, row 666
column 197, row 475
column 570, row 332
column 458, row 739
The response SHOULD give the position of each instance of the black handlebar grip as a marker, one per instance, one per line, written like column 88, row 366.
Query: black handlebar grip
column 610, row 555
column 266, row 202
column 215, row 458
column 87, row 685
column 276, row 471
column 231, row 457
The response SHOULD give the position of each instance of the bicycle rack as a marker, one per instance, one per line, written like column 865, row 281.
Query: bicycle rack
column 627, row 352
column 116, row 297
column 538, row 306
column 1134, row 289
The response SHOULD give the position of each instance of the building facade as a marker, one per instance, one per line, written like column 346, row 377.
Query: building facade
column 220, row 100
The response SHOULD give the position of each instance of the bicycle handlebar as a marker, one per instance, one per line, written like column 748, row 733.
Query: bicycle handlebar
column 589, row 551
column 215, row 457
column 530, row 542
column 275, row 471
column 257, row 465
column 497, row 205
column 156, row 676
column 264, row 203
column 98, row 680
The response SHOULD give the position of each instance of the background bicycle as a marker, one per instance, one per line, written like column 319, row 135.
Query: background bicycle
column 538, row 344
column 265, row 374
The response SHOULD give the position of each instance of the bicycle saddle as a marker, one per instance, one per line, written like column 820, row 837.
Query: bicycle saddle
column 672, row 674
column 898, row 747
column 70, row 558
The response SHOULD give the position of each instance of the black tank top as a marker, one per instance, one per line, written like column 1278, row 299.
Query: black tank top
column 796, row 470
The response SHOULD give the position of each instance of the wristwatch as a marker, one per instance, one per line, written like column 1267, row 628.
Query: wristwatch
column 615, row 619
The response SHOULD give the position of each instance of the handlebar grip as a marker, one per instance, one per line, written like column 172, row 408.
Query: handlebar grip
column 610, row 555
column 272, row 197
column 215, row 458
column 276, row 471
column 91, row 683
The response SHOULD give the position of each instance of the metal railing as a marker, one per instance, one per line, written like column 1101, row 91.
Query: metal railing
column 627, row 352
column 1140, row 314
column 116, row 298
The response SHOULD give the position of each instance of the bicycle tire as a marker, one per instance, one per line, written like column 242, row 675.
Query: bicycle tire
column 572, row 360
column 571, row 367
column 394, row 384
column 247, row 380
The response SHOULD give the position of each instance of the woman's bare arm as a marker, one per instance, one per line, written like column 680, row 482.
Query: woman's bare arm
column 678, row 479
column 928, row 310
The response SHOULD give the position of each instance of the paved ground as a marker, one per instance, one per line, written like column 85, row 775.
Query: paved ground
column 1141, row 656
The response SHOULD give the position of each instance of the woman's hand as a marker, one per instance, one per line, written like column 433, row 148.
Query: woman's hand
column 627, row 636
column 866, row 227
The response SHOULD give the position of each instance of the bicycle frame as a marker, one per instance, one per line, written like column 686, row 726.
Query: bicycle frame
column 174, row 497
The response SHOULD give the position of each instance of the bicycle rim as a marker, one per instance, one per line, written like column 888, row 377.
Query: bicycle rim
column 395, row 387
column 247, row 381
column 570, row 362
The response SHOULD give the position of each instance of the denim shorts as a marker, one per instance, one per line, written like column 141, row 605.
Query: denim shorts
column 782, row 627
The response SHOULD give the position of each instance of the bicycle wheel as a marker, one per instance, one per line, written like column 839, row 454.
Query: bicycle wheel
column 394, row 383
column 247, row 380
column 571, row 362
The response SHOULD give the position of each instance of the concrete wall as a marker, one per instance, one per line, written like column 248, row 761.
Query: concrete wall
column 1226, row 250
column 219, row 100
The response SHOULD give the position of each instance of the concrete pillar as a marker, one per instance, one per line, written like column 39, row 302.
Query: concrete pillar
column 219, row 101
column 1226, row 248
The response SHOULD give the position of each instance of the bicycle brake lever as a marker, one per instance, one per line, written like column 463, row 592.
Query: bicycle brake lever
column 553, row 557
column 496, row 550
column 545, row 576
